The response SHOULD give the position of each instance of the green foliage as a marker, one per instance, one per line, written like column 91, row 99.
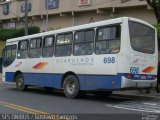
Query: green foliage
column 155, row 4
column 158, row 33
column 158, row 29
column 33, row 30
column 2, row 45
column 13, row 33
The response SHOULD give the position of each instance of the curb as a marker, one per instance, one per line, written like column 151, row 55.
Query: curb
column 136, row 94
column 139, row 96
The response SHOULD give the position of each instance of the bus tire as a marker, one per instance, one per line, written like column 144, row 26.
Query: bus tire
column 20, row 83
column 71, row 86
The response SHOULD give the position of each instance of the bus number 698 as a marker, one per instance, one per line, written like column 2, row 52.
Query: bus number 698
column 109, row 60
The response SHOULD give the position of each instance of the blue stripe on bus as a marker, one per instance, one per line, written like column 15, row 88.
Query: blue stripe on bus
column 43, row 80
column 95, row 82
column 87, row 82
column 9, row 76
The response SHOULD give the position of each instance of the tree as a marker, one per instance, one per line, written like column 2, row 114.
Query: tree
column 13, row 33
column 155, row 4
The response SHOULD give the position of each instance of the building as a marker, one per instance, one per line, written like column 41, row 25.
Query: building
column 65, row 13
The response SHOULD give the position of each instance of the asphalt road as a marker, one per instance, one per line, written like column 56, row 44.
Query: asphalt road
column 40, row 101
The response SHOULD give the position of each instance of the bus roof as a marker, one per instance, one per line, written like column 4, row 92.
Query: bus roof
column 79, row 27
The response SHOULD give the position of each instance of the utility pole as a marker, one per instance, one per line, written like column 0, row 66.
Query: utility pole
column 26, row 17
column 46, row 28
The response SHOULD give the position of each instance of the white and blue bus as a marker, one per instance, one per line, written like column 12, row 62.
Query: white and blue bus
column 103, row 56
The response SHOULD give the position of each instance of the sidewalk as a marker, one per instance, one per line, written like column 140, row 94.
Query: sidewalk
column 140, row 93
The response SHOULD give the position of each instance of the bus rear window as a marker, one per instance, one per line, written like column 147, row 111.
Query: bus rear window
column 142, row 37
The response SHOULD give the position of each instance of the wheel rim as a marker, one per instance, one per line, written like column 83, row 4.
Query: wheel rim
column 20, row 82
column 71, row 87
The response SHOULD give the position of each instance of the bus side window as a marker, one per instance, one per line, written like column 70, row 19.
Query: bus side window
column 84, row 42
column 48, row 46
column 64, row 44
column 114, row 45
column 22, row 49
column 35, row 48
column 108, row 40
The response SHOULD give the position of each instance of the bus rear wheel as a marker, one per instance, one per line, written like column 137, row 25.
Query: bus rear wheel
column 20, row 83
column 71, row 86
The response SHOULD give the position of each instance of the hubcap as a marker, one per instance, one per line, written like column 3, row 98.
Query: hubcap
column 71, row 87
column 20, row 82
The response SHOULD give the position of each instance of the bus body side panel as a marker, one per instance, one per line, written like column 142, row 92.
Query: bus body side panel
column 93, row 71
column 40, row 72
column 9, row 77
column 87, row 82
column 101, row 82
column 43, row 79
column 102, row 74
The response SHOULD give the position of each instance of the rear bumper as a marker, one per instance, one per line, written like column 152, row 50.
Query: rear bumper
column 125, row 83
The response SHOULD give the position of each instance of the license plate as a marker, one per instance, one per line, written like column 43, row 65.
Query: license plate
column 143, row 77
